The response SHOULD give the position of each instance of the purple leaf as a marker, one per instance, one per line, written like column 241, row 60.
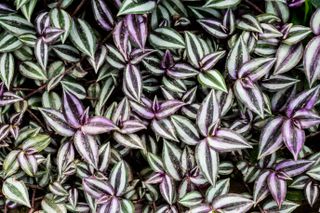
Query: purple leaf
column 294, row 168
column 256, row 68
column 98, row 125
column 168, row 108
column 72, row 109
column 137, row 28
column 208, row 61
column 132, row 126
column 168, row 189
column 277, row 188
column 102, row 14
column 141, row 110
column 121, row 39
column 260, row 189
column 293, row 137
column 306, row 118
column 132, row 81
column 97, row 187
column 232, row 203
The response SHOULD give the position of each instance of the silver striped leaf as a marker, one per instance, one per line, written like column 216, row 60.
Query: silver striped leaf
column 278, row 82
column 132, row 141
column 49, row 204
column 288, row 57
column 83, row 38
column 208, row 161
column 314, row 22
column 41, row 51
column 72, row 86
column 36, row 143
column 186, row 130
column 138, row 29
column 250, row 95
column 175, row 7
column 7, row 68
column 231, row 202
column 164, row 128
column 260, row 190
column 57, row 122
column 65, row 157
column 212, row 79
column 28, row 163
column 66, row 52
column 28, row 8
column 59, row 18
column 191, row 199
column 266, row 47
column 166, row 38
column 256, row 68
column 102, row 14
column 229, row 21
column 221, row 4
column 310, row 60
column 296, row 34
column 20, row 3
column 33, row 71
column 311, row 192
column 87, row 147
column 171, row 155
column 99, row 58
column 248, row 22
column 114, row 57
column 134, row 7
column 269, row 31
column 168, row 189
column 16, row 191
column 222, row 187
column 9, row 43
column 214, row 27
column 286, row 207
column 279, row 8
column 10, row 163
column 277, row 188
column 209, row 114
column 16, row 24
column 119, row 177
column 133, row 81
column 238, row 55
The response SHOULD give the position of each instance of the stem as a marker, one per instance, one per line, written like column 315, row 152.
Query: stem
column 78, row 8
column 254, row 6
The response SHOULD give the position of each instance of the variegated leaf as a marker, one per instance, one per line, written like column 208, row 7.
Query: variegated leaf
column 59, row 18
column 232, row 203
column 132, row 141
column 102, row 14
column 119, row 177
column 213, row 79
column 222, row 4
column 166, row 38
column 288, row 56
column 277, row 188
column 33, row 71
column 310, row 60
column 171, row 155
column 87, row 147
column 134, row 7
column 16, row 191
column 7, row 68
column 186, row 130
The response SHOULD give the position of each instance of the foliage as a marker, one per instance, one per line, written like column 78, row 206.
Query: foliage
column 159, row 105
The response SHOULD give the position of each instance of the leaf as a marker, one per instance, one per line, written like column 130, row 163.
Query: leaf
column 260, row 189
column 208, row 161
column 232, row 202
column 311, row 192
column 294, row 168
column 65, row 156
column 98, row 125
column 28, row 8
column 134, row 7
column 278, row 8
column 83, row 38
column 222, row 4
column 278, row 83
column 59, row 18
column 16, row 191
column 72, row 109
column 256, row 68
column 102, row 14
column 73, row 87
column 296, row 34
column 66, row 52
column 164, row 128
column 208, row 114
column 9, row 42
column 137, row 28
column 222, row 187
column 310, row 58
column 57, row 122
column 293, row 137
column 97, row 187
column 166, row 38
column 225, row 140
column 49, row 204
column 314, row 22
column 168, row 108
column 132, row 141
column 33, row 71
column 36, row 143
column 133, row 82
column 213, row 79
column 195, row 50
column 191, row 199
column 213, row 27
column 286, row 207
column 167, row 189
column 238, row 55
column 171, row 155
column 87, row 147
column 186, row 130
column 119, row 178
column 278, row 188
column 271, row 132
column 16, row 24
column 250, row 95
column 7, row 68
column 248, row 22
column 10, row 163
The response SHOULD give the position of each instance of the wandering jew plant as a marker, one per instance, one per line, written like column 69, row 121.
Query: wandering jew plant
column 159, row 106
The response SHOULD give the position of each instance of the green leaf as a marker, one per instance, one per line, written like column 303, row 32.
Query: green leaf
column 16, row 191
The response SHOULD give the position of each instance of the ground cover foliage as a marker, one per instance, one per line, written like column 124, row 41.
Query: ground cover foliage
column 159, row 106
